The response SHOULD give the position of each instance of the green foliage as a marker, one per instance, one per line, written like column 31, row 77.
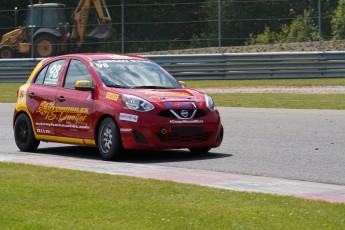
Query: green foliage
column 301, row 29
column 338, row 21
column 267, row 37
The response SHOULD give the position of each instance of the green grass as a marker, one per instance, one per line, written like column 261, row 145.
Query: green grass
column 33, row 197
column 8, row 91
column 281, row 100
column 267, row 100
column 269, row 82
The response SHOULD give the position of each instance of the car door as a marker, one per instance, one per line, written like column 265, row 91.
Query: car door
column 76, row 105
column 41, row 97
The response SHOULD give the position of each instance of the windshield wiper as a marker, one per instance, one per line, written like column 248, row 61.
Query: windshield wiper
column 151, row 87
column 117, row 86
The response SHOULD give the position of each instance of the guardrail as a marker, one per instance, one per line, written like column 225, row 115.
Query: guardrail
column 222, row 66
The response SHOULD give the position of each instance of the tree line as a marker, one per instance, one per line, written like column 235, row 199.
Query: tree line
column 151, row 25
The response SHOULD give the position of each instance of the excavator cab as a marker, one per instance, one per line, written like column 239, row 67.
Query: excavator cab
column 46, row 25
column 48, row 15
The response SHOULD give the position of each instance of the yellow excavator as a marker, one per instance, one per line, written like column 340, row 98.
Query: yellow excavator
column 48, row 33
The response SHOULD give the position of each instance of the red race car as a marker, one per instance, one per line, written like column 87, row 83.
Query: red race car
column 115, row 102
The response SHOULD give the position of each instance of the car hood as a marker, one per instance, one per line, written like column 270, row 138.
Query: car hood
column 161, row 95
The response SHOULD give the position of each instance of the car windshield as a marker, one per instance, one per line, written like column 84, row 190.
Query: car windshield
column 134, row 74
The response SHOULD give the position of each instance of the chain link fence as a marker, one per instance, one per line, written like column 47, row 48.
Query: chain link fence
column 160, row 25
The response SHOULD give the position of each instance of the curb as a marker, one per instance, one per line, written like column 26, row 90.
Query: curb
column 302, row 189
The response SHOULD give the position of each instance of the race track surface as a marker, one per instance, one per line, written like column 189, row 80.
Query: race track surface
column 303, row 145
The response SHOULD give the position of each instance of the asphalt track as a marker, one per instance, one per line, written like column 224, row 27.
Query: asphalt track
column 280, row 151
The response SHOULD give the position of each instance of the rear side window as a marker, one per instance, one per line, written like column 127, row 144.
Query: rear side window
column 50, row 74
column 40, row 77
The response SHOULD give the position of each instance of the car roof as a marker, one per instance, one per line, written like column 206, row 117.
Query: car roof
column 103, row 56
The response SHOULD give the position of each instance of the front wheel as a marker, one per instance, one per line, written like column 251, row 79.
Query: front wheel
column 109, row 140
column 199, row 150
column 24, row 134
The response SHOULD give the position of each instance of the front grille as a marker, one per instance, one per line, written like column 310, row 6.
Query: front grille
column 178, row 137
column 169, row 114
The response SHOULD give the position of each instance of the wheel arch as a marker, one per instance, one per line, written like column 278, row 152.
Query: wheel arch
column 27, row 114
column 48, row 31
column 98, row 124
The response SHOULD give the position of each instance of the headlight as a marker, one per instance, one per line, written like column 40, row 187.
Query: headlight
column 136, row 103
column 210, row 103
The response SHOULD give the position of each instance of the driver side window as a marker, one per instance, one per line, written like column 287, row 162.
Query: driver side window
column 76, row 71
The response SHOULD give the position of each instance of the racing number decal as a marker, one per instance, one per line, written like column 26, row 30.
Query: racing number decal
column 102, row 65
column 54, row 72
column 53, row 76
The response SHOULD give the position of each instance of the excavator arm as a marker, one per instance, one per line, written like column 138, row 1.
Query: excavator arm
column 81, row 15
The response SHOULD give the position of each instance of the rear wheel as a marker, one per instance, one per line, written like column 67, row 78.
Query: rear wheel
column 46, row 45
column 6, row 52
column 24, row 135
column 109, row 140
column 199, row 150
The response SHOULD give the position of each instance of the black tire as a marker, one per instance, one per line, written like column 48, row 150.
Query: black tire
column 46, row 45
column 109, row 140
column 6, row 52
column 199, row 150
column 24, row 135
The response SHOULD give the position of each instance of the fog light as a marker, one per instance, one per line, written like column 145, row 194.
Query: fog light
column 164, row 131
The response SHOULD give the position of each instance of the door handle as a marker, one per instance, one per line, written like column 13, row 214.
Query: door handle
column 31, row 95
column 61, row 98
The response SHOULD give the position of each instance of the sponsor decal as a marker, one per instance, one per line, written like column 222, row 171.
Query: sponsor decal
column 128, row 117
column 179, row 105
column 63, row 117
column 186, row 121
column 43, row 131
column 112, row 96
column 125, row 130
column 59, row 113
column 46, row 124
column 168, row 93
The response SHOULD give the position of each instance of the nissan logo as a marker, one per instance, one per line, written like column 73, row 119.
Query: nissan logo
column 184, row 113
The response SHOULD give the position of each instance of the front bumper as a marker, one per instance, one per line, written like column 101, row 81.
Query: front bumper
column 156, row 132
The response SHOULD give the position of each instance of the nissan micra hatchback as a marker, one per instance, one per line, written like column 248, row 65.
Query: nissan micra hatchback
column 115, row 102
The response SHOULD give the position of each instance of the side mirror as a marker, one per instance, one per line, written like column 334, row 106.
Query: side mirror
column 83, row 85
column 183, row 84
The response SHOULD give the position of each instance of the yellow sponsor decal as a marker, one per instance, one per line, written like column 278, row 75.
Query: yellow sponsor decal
column 112, row 96
column 168, row 93
column 53, row 112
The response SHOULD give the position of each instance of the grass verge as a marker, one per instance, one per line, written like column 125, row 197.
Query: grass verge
column 34, row 197
column 268, row 82
column 267, row 100
column 8, row 91
column 281, row 100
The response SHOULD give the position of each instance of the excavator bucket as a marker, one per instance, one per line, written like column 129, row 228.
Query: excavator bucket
column 101, row 31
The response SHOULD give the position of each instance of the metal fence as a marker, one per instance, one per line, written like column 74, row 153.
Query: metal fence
column 222, row 66
column 154, row 25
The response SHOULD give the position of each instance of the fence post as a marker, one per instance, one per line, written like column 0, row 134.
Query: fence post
column 219, row 26
column 320, row 30
column 123, row 26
